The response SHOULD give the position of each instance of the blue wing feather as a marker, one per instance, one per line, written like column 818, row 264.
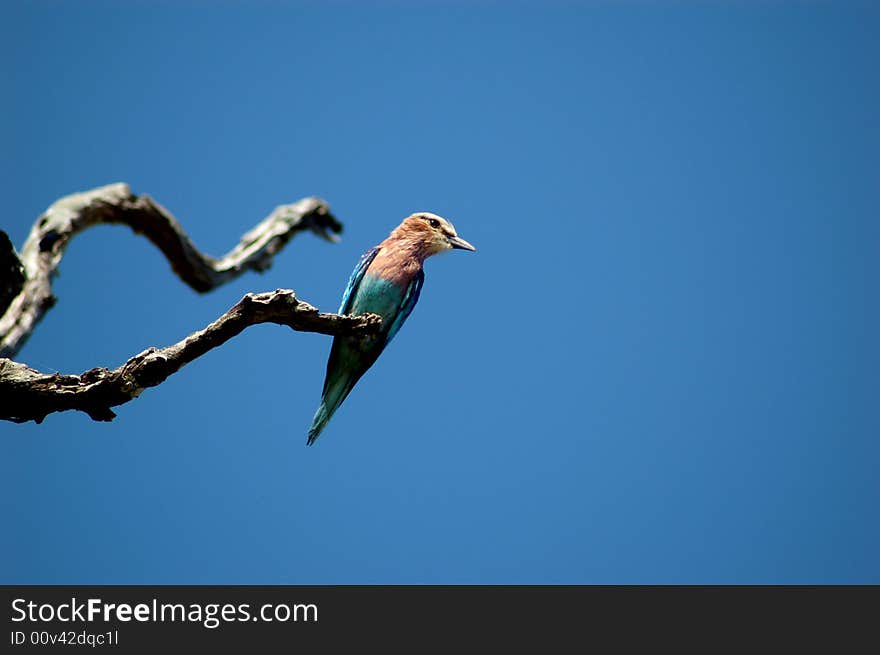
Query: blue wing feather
column 356, row 276
column 349, row 357
column 406, row 307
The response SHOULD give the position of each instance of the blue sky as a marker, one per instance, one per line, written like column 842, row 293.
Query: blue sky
column 661, row 365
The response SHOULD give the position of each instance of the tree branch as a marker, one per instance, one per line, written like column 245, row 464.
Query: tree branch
column 26, row 292
column 29, row 395
column 11, row 272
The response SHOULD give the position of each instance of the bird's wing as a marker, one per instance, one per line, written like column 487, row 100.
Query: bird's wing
column 356, row 276
column 410, row 298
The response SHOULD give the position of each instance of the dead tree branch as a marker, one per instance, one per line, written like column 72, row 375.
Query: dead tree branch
column 25, row 286
column 26, row 295
column 29, row 395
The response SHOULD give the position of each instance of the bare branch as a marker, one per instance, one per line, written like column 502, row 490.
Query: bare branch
column 11, row 272
column 25, row 299
column 29, row 395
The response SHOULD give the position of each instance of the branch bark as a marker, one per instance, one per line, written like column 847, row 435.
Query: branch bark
column 26, row 295
column 26, row 291
column 29, row 395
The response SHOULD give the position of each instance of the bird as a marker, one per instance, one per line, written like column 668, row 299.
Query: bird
column 386, row 281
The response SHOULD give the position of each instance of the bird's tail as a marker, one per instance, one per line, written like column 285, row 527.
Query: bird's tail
column 332, row 398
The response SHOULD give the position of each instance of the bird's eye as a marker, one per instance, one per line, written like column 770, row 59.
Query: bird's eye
column 434, row 222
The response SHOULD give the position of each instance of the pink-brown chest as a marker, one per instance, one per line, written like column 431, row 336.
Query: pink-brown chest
column 395, row 264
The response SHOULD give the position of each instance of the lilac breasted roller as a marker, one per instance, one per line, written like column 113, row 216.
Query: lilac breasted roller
column 386, row 281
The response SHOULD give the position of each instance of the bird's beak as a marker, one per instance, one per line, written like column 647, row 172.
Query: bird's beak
column 458, row 242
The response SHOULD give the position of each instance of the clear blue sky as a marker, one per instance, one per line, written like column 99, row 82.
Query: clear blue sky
column 661, row 366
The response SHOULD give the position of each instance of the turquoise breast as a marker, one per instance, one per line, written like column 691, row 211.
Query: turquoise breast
column 377, row 296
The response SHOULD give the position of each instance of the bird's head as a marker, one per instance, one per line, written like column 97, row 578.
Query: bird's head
column 432, row 233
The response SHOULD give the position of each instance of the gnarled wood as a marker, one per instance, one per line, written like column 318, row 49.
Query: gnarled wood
column 25, row 287
column 26, row 294
column 29, row 395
